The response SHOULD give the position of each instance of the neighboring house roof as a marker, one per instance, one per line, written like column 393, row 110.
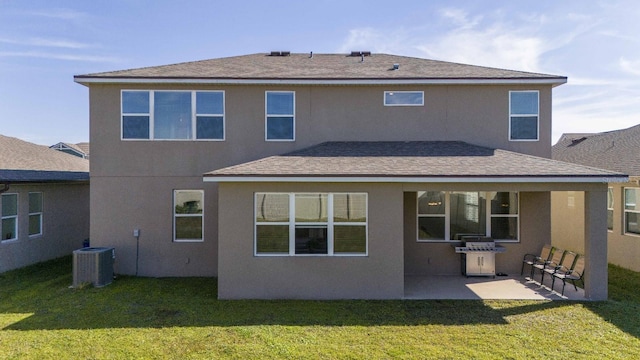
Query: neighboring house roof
column 320, row 68
column 85, row 148
column 616, row 150
column 22, row 161
column 73, row 149
column 417, row 161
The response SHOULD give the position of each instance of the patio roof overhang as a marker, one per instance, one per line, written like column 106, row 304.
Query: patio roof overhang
column 410, row 162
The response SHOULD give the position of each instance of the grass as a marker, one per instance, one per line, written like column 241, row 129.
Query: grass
column 180, row 318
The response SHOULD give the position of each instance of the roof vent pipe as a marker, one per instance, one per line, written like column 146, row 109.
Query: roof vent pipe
column 311, row 55
column 361, row 57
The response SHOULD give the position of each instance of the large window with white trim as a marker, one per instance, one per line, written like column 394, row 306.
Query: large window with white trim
column 632, row 211
column 172, row 115
column 311, row 224
column 451, row 215
column 188, row 215
column 9, row 216
column 280, row 109
column 35, row 213
column 524, row 111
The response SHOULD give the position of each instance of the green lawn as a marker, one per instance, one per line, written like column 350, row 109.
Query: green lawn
column 177, row 318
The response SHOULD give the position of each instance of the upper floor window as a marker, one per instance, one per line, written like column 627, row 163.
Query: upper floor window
column 280, row 116
column 524, row 115
column 632, row 211
column 9, row 215
column 403, row 98
column 172, row 115
column 188, row 215
column 35, row 213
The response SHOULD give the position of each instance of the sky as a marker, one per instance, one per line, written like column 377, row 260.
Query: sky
column 43, row 44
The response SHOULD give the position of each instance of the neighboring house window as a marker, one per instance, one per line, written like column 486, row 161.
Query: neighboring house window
column 172, row 115
column 632, row 211
column 188, row 215
column 280, row 115
column 35, row 213
column 449, row 216
column 610, row 205
column 523, row 115
column 9, row 217
column 403, row 98
column 311, row 224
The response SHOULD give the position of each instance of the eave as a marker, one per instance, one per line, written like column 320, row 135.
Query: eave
column 88, row 80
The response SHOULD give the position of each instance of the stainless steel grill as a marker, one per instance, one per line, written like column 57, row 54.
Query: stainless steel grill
column 478, row 257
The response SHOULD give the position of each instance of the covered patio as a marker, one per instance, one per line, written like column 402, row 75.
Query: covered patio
column 512, row 287
column 397, row 259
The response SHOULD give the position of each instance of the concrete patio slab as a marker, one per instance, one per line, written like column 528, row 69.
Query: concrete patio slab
column 456, row 287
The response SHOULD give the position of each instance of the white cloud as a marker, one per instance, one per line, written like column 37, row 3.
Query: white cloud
column 490, row 47
column 55, row 56
column 460, row 17
column 62, row 14
column 59, row 43
column 630, row 67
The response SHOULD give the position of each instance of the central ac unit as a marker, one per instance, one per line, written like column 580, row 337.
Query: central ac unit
column 93, row 265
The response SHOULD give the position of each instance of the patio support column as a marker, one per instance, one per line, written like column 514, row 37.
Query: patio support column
column 595, row 244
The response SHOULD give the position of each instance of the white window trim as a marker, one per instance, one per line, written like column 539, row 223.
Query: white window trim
column 194, row 114
column 266, row 115
column 611, row 192
column 40, row 213
column 447, row 218
column 384, row 98
column 525, row 115
column 330, row 223
column 3, row 217
column 201, row 215
column 625, row 211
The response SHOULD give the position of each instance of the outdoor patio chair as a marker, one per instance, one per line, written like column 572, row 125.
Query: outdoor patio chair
column 574, row 274
column 530, row 259
column 556, row 259
column 567, row 262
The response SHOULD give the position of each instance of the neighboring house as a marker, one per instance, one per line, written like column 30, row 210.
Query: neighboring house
column 44, row 203
column 79, row 150
column 327, row 175
column 613, row 150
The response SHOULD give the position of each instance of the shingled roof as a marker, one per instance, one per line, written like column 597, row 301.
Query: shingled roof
column 414, row 160
column 265, row 68
column 617, row 150
column 22, row 161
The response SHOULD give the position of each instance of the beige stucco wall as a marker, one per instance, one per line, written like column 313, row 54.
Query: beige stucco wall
column 568, row 226
column 132, row 181
column 65, row 224
column 379, row 275
column 120, row 205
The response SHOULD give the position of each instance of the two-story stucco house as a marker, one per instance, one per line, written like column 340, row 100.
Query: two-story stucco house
column 327, row 175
